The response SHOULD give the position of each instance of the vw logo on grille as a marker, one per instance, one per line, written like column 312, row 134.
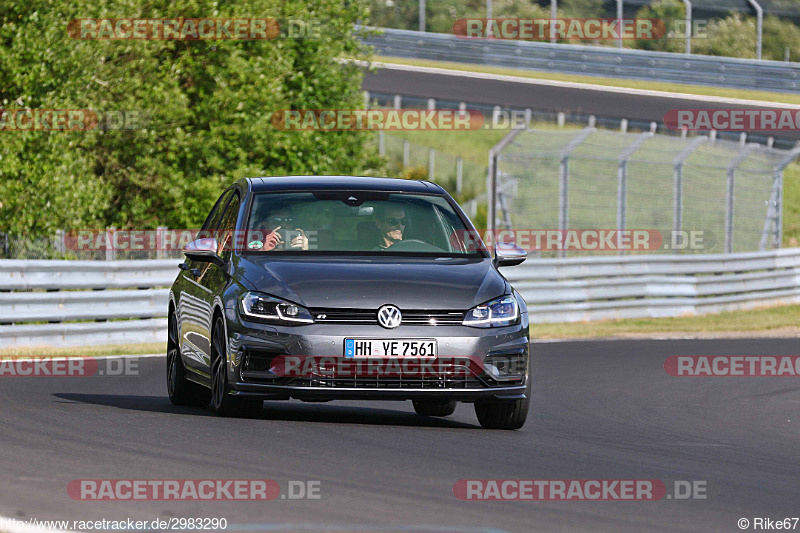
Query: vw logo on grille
column 389, row 316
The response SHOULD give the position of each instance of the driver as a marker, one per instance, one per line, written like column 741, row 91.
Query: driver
column 391, row 221
column 276, row 225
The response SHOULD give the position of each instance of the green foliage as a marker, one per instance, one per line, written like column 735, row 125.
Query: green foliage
column 209, row 104
column 667, row 11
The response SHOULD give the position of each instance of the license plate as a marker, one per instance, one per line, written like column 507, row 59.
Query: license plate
column 390, row 348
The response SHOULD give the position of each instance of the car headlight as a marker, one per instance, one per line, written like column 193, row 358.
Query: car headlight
column 264, row 307
column 503, row 311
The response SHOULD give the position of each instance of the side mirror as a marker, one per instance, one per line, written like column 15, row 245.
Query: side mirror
column 509, row 254
column 204, row 250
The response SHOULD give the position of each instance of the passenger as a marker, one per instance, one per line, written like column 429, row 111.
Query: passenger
column 391, row 222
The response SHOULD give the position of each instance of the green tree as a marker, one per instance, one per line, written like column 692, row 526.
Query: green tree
column 209, row 104
column 670, row 12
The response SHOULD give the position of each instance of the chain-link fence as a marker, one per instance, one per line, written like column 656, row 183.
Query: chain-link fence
column 587, row 179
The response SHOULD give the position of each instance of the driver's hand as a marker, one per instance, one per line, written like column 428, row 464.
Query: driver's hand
column 272, row 240
column 301, row 241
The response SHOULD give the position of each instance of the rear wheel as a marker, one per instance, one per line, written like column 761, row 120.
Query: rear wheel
column 435, row 407
column 222, row 402
column 181, row 391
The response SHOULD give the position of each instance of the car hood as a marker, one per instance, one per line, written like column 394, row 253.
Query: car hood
column 355, row 283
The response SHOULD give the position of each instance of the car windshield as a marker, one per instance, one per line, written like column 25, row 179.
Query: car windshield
column 359, row 222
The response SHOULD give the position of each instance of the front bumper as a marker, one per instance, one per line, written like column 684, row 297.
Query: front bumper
column 248, row 340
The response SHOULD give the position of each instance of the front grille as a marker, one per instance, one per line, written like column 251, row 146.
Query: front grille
column 370, row 316
column 356, row 382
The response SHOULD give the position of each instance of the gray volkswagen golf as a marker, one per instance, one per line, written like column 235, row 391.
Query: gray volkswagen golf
column 321, row 288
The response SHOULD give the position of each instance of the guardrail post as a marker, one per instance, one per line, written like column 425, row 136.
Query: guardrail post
column 381, row 143
column 406, row 149
column 431, row 104
column 677, row 216
column 730, row 197
column 622, row 181
column 459, row 174
column 398, row 101
column 431, row 164
column 491, row 182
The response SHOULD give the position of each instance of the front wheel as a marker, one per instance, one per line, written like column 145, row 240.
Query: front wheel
column 223, row 403
column 502, row 414
column 434, row 407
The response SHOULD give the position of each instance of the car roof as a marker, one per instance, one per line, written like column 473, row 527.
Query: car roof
column 341, row 183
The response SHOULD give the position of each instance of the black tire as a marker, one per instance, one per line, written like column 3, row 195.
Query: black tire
column 181, row 391
column 223, row 403
column 503, row 414
column 435, row 407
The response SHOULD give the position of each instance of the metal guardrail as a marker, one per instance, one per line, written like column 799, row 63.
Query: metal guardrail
column 556, row 290
column 84, row 303
column 611, row 287
column 591, row 60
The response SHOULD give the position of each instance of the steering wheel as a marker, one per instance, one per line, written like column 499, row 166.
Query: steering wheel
column 413, row 245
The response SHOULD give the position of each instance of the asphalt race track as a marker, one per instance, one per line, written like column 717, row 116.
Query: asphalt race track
column 542, row 97
column 602, row 410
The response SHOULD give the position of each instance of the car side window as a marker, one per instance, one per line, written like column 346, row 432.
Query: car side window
column 227, row 225
column 212, row 221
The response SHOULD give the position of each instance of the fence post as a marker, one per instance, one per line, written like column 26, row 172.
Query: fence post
column 562, row 119
column 677, row 216
column 398, row 101
column 111, row 249
column 730, row 196
column 431, row 164
column 381, row 143
column 406, row 148
column 431, row 104
column 622, row 182
column 161, row 232
column 459, row 174
column 563, row 181
column 59, row 243
column 778, row 194
column 491, row 182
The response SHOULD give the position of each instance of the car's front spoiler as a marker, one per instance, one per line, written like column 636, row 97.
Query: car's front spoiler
column 268, row 391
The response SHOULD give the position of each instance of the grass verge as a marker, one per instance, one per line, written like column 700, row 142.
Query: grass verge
column 85, row 351
column 763, row 322
column 703, row 90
